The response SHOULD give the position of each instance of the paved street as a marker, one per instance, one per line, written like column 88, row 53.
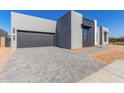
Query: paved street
column 92, row 51
column 47, row 64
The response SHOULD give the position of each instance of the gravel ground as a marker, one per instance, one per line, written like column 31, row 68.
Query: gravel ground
column 92, row 51
column 47, row 64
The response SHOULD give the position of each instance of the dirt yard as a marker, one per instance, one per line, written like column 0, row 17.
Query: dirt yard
column 4, row 55
column 77, row 50
column 114, row 52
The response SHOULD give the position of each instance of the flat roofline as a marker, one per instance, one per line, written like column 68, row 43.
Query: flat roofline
column 63, row 15
column 69, row 11
column 88, row 19
column 3, row 30
column 105, row 29
column 33, row 16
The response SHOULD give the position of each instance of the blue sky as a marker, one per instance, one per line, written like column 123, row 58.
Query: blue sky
column 113, row 19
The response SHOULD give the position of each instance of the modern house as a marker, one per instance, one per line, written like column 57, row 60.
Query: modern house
column 3, row 35
column 70, row 31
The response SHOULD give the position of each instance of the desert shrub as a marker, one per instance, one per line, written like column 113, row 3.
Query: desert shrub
column 114, row 42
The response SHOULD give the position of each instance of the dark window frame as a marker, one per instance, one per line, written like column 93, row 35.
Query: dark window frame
column 105, row 36
column 13, row 30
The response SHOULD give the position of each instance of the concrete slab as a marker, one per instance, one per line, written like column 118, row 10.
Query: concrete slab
column 113, row 73
column 102, row 77
column 116, row 68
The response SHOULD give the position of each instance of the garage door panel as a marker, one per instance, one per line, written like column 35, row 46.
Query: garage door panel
column 29, row 39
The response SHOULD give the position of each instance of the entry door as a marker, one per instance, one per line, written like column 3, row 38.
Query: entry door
column 88, row 37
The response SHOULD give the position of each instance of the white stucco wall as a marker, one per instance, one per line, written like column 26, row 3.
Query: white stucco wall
column 98, row 36
column 104, row 29
column 76, row 30
column 95, row 33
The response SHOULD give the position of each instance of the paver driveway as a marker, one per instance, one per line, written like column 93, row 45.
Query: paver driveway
column 47, row 64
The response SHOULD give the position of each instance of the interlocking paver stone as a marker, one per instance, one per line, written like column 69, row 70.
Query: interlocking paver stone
column 47, row 64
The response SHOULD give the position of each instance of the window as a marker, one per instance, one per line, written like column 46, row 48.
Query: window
column 87, row 34
column 13, row 37
column 105, row 36
column 13, row 30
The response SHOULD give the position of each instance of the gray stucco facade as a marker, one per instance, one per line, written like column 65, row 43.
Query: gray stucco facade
column 63, row 31
column 70, row 31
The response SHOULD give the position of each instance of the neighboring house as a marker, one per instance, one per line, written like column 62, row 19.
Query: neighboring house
column 103, row 33
column 118, row 41
column 70, row 31
column 3, row 35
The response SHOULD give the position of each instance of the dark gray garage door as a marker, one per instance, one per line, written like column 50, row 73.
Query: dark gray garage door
column 34, row 39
